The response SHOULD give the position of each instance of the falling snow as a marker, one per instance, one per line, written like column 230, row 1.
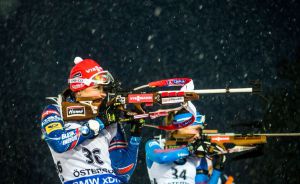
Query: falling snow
column 217, row 43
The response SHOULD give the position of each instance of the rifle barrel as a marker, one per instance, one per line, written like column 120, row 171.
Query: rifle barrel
column 217, row 91
column 259, row 134
column 228, row 90
column 281, row 134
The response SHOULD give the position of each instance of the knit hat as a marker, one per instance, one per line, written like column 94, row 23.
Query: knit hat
column 86, row 73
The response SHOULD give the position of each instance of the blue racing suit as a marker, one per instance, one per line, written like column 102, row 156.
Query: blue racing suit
column 177, row 166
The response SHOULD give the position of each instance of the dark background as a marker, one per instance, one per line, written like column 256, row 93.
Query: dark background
column 217, row 43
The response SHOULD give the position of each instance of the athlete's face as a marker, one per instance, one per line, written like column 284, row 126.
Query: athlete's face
column 92, row 91
column 195, row 130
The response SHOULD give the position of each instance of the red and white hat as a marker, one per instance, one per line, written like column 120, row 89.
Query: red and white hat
column 86, row 73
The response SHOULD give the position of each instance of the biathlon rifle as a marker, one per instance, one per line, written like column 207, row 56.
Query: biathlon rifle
column 140, row 99
column 213, row 143
column 117, row 106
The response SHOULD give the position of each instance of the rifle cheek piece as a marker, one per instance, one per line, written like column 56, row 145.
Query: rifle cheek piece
column 81, row 110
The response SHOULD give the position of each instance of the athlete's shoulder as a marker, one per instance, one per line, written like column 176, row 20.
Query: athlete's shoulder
column 50, row 114
column 50, row 110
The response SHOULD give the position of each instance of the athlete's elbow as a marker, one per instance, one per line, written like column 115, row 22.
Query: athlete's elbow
column 162, row 160
column 124, row 178
column 58, row 148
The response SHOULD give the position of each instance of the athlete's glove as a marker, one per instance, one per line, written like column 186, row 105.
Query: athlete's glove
column 136, row 127
column 201, row 148
column 218, row 162
column 193, row 147
column 92, row 127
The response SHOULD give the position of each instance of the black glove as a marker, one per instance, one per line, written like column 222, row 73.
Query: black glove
column 193, row 147
column 218, row 162
column 109, row 114
column 136, row 127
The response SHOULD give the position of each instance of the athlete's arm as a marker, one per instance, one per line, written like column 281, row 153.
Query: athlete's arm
column 155, row 153
column 202, row 172
column 215, row 176
column 218, row 166
column 59, row 139
column 123, row 155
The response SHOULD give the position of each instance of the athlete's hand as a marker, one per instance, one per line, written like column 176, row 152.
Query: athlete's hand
column 193, row 147
column 95, row 125
column 110, row 115
column 92, row 127
column 218, row 162
column 136, row 127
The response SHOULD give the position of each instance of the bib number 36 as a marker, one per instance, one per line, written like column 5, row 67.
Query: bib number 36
column 92, row 156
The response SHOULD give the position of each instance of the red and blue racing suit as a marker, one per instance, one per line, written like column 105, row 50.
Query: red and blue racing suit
column 85, row 158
